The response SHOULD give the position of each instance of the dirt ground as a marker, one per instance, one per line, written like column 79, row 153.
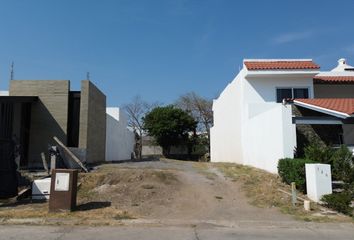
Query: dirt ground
column 164, row 191
column 170, row 189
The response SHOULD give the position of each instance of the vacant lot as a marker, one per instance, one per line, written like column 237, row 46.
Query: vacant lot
column 170, row 190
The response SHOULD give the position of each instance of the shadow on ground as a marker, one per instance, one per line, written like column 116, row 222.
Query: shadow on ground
column 92, row 205
column 13, row 203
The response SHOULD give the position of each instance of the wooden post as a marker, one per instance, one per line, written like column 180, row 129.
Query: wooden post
column 73, row 157
column 293, row 194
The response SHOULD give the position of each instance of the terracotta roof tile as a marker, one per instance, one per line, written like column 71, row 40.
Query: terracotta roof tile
column 334, row 79
column 280, row 65
column 343, row 105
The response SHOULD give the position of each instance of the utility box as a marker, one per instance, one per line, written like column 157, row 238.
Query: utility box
column 41, row 189
column 63, row 190
column 318, row 181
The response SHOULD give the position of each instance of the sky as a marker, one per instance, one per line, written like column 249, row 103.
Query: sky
column 161, row 49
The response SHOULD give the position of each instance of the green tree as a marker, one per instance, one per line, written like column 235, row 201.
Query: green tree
column 169, row 126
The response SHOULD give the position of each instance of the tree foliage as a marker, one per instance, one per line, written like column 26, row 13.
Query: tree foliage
column 169, row 126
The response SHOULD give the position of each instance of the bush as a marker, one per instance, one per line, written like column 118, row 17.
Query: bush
column 339, row 201
column 293, row 170
column 342, row 164
column 340, row 159
column 318, row 152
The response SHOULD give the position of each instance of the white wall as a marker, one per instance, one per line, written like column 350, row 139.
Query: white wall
column 119, row 139
column 263, row 89
column 4, row 93
column 249, row 126
column 226, row 134
column 270, row 135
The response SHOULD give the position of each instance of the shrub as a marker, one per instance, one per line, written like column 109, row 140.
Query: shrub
column 293, row 170
column 340, row 159
column 318, row 152
column 339, row 201
column 342, row 164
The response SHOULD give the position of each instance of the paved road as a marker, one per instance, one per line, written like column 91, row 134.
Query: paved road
column 199, row 232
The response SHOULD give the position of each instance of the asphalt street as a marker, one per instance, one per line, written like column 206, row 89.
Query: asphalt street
column 189, row 232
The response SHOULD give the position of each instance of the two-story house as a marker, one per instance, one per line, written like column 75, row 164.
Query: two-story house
column 253, row 124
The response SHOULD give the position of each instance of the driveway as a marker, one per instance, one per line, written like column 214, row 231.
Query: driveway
column 202, row 194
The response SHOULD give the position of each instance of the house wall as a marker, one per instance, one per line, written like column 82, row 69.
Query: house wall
column 334, row 91
column 92, row 135
column 48, row 115
column 119, row 139
column 263, row 89
column 226, row 133
column 348, row 134
column 249, row 126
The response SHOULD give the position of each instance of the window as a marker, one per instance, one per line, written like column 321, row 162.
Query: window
column 283, row 93
column 301, row 93
column 291, row 93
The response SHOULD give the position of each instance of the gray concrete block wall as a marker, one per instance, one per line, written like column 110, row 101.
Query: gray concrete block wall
column 49, row 116
column 92, row 135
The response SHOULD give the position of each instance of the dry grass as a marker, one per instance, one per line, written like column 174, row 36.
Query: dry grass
column 79, row 216
column 104, row 197
column 262, row 189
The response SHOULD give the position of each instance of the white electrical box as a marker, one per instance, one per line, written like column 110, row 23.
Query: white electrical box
column 318, row 181
column 41, row 189
column 62, row 182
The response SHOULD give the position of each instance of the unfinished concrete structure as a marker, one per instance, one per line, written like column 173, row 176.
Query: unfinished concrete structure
column 38, row 110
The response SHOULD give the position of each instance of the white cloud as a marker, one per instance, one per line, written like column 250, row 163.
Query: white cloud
column 292, row 37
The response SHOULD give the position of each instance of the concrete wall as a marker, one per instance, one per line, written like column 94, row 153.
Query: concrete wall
column 150, row 147
column 48, row 115
column 92, row 135
column 269, row 135
column 226, row 133
column 119, row 139
column 263, row 89
column 249, row 126
column 334, row 91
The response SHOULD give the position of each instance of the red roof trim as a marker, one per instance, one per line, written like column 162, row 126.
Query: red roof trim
column 280, row 65
column 334, row 79
column 342, row 105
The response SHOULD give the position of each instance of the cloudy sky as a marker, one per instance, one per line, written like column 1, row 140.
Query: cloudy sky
column 160, row 49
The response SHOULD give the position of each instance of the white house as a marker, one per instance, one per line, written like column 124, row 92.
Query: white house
column 4, row 93
column 119, row 139
column 253, row 125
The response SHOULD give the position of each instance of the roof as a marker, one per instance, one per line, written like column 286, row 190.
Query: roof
column 334, row 79
column 342, row 66
column 280, row 64
column 342, row 107
column 342, row 74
